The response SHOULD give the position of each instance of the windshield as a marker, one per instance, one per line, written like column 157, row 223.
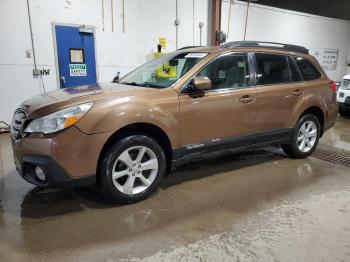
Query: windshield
column 163, row 71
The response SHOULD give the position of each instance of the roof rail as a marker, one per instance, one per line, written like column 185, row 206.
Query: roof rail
column 188, row 47
column 273, row 45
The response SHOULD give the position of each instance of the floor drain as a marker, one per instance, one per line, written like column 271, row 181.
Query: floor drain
column 331, row 157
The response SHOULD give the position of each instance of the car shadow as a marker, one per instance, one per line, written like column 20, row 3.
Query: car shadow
column 345, row 117
column 221, row 164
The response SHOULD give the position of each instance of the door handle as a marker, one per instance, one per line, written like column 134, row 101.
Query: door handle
column 298, row 92
column 246, row 99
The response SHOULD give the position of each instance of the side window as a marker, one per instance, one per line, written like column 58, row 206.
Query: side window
column 228, row 71
column 307, row 69
column 272, row 69
column 294, row 73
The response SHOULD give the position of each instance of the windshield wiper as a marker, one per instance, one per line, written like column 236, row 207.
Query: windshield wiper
column 130, row 83
column 151, row 85
column 136, row 84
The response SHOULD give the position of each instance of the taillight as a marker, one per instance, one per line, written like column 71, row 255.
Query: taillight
column 332, row 85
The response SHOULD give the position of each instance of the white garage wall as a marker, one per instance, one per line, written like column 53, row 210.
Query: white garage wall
column 277, row 25
column 145, row 22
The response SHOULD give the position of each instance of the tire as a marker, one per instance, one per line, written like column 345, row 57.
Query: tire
column 343, row 110
column 344, row 114
column 307, row 138
column 132, row 169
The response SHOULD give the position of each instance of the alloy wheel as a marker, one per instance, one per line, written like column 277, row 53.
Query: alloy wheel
column 135, row 170
column 307, row 136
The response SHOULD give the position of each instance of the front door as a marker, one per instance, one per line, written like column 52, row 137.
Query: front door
column 76, row 56
column 223, row 116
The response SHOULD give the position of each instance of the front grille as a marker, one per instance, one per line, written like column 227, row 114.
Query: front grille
column 17, row 122
column 341, row 94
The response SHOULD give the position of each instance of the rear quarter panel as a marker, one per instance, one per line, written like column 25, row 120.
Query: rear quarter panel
column 317, row 94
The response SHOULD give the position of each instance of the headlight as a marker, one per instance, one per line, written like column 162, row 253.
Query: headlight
column 346, row 84
column 59, row 120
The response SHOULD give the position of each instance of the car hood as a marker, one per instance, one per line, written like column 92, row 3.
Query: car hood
column 56, row 100
column 346, row 77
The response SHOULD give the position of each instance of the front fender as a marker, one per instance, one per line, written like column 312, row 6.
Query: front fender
column 114, row 114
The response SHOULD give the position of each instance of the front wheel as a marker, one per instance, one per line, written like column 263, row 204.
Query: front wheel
column 131, row 169
column 304, row 138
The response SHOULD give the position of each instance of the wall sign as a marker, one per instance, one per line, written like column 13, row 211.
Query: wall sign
column 330, row 59
column 77, row 69
column 43, row 72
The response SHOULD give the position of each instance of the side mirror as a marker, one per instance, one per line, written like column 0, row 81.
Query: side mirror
column 202, row 83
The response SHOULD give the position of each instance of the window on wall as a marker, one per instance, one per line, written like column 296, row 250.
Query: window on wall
column 228, row 71
column 294, row 73
column 307, row 69
column 272, row 69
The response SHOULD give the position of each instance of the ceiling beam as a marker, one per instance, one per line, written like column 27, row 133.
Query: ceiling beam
column 336, row 8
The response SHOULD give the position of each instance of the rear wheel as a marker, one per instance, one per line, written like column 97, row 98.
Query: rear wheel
column 132, row 168
column 304, row 138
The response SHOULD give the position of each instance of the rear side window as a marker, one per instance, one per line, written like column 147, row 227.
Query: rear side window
column 307, row 69
column 294, row 73
column 272, row 69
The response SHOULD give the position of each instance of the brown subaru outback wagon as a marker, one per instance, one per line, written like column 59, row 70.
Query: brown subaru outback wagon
column 183, row 106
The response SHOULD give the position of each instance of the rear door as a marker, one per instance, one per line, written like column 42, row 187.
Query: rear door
column 279, row 86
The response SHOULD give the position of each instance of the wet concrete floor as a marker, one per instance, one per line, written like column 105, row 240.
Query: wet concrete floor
column 257, row 206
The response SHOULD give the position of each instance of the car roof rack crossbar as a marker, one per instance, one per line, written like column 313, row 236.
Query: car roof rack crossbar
column 261, row 44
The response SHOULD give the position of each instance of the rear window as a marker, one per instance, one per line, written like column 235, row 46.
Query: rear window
column 272, row 69
column 307, row 69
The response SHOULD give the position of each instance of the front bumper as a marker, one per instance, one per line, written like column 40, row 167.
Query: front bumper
column 55, row 175
column 343, row 97
column 68, row 158
column 344, row 105
column 346, row 102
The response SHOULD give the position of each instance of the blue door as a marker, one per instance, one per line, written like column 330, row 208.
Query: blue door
column 76, row 56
